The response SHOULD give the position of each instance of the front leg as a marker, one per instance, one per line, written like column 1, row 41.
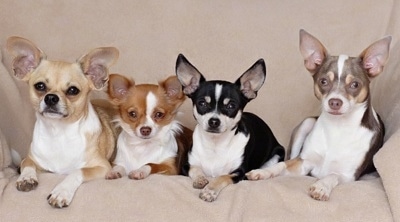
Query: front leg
column 290, row 167
column 167, row 167
column 198, row 177
column 63, row 193
column 212, row 190
column 27, row 181
column 322, row 189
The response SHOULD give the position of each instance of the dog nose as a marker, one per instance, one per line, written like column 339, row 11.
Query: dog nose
column 51, row 99
column 214, row 123
column 145, row 131
column 335, row 104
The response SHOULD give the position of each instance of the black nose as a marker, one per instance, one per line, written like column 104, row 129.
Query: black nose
column 145, row 131
column 51, row 99
column 214, row 123
column 335, row 104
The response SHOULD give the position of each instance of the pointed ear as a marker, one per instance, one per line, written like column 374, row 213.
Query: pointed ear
column 26, row 56
column 374, row 57
column 173, row 90
column 189, row 77
column 252, row 80
column 118, row 88
column 312, row 51
column 95, row 65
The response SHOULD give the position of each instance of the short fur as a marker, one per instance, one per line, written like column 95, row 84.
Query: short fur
column 337, row 146
column 227, row 142
column 152, row 141
column 71, row 136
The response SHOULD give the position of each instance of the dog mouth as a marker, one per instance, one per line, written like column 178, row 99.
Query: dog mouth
column 335, row 113
column 51, row 112
column 211, row 130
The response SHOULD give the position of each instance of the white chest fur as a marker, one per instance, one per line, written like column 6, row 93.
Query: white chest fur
column 217, row 154
column 59, row 147
column 134, row 152
column 336, row 146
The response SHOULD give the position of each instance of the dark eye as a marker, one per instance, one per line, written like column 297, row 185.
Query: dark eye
column 323, row 81
column 72, row 91
column 40, row 86
column 158, row 115
column 202, row 103
column 231, row 105
column 354, row 85
column 132, row 114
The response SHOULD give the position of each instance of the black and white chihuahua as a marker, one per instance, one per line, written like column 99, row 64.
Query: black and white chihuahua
column 338, row 146
column 227, row 142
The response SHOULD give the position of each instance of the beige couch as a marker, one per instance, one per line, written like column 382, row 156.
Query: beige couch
column 222, row 38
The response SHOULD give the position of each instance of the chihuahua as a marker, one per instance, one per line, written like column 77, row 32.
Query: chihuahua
column 338, row 146
column 70, row 136
column 152, row 140
column 227, row 142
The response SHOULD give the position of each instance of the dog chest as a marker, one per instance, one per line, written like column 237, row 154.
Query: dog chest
column 336, row 149
column 133, row 152
column 217, row 154
column 58, row 153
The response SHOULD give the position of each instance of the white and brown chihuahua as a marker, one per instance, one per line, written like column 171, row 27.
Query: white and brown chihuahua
column 338, row 146
column 152, row 140
column 71, row 136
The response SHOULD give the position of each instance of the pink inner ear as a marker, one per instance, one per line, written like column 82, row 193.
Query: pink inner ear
column 97, row 74
column 313, row 61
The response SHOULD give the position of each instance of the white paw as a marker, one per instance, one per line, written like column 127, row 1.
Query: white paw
column 319, row 191
column 259, row 174
column 208, row 194
column 200, row 182
column 60, row 196
column 28, row 180
column 140, row 173
column 111, row 175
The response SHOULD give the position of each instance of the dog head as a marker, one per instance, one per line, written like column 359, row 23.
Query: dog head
column 218, row 105
column 342, row 82
column 59, row 90
column 145, row 109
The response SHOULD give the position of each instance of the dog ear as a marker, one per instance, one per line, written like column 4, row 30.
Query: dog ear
column 252, row 80
column 95, row 65
column 173, row 90
column 312, row 51
column 118, row 88
column 374, row 57
column 189, row 77
column 26, row 56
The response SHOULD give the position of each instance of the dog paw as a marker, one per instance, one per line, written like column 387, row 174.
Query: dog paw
column 259, row 174
column 200, row 182
column 208, row 195
column 319, row 192
column 111, row 175
column 27, row 183
column 60, row 197
column 139, row 174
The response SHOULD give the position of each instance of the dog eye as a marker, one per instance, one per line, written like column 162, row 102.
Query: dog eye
column 323, row 81
column 40, row 86
column 158, row 115
column 72, row 91
column 354, row 85
column 231, row 106
column 132, row 114
column 202, row 103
